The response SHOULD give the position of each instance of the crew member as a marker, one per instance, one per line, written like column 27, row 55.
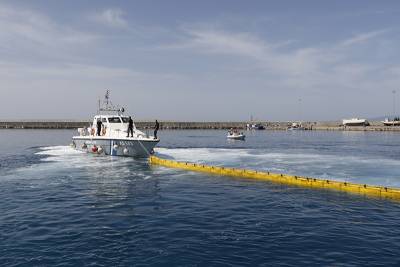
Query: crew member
column 99, row 124
column 130, row 127
column 156, row 127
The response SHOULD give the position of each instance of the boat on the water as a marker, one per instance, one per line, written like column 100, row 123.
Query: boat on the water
column 257, row 126
column 107, row 135
column 235, row 135
column 394, row 122
column 355, row 122
column 296, row 126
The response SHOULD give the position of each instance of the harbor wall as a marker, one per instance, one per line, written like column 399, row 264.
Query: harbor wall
column 270, row 125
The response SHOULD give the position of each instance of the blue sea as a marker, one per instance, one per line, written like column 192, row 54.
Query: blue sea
column 61, row 207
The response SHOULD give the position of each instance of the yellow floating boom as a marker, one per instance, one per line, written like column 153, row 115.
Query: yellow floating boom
column 361, row 189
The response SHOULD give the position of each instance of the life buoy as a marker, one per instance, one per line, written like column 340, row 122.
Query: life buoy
column 94, row 149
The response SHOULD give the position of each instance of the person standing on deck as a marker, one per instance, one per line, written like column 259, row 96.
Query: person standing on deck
column 156, row 127
column 99, row 124
column 130, row 127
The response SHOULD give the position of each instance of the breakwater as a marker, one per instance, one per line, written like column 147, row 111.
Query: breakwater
column 67, row 124
column 269, row 125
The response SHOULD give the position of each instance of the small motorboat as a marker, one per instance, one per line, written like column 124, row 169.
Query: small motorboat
column 235, row 135
column 257, row 126
column 296, row 126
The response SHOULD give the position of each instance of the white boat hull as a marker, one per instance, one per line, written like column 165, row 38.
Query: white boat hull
column 391, row 123
column 295, row 129
column 355, row 122
column 236, row 137
column 126, row 147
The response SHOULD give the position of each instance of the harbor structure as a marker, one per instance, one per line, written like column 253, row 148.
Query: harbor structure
column 193, row 125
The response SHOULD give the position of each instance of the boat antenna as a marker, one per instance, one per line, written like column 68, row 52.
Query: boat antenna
column 108, row 105
column 394, row 103
column 300, row 111
column 107, row 97
column 99, row 106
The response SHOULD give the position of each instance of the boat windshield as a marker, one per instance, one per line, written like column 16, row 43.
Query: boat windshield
column 125, row 119
column 114, row 120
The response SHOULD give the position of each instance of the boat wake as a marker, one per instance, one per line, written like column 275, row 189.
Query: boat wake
column 368, row 170
column 66, row 160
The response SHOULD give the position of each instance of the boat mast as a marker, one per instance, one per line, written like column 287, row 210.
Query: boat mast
column 108, row 106
column 99, row 106
column 394, row 103
column 107, row 97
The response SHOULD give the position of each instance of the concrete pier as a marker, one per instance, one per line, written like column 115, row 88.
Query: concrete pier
column 43, row 124
column 66, row 124
column 270, row 125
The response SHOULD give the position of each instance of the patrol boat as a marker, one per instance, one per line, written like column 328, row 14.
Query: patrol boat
column 110, row 137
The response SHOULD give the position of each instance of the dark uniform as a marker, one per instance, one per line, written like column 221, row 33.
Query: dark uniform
column 156, row 127
column 130, row 127
column 99, row 124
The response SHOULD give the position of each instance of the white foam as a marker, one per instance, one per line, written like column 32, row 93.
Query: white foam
column 58, row 151
column 201, row 154
column 65, row 158
column 370, row 170
column 366, row 169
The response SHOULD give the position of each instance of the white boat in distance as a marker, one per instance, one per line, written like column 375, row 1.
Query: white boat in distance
column 296, row 126
column 394, row 122
column 257, row 126
column 110, row 137
column 355, row 122
column 234, row 135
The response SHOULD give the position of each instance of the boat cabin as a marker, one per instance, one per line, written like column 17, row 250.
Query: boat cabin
column 112, row 125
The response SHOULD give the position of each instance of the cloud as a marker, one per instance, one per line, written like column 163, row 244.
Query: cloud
column 363, row 37
column 42, row 90
column 40, row 53
column 267, row 55
column 79, row 72
column 30, row 36
column 220, row 42
column 315, row 69
column 27, row 30
column 112, row 17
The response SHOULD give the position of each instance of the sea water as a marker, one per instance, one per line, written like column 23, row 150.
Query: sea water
column 61, row 207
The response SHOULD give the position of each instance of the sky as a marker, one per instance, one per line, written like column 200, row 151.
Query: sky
column 209, row 60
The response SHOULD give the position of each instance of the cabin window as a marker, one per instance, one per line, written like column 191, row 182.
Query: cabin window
column 114, row 120
column 103, row 119
column 125, row 119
